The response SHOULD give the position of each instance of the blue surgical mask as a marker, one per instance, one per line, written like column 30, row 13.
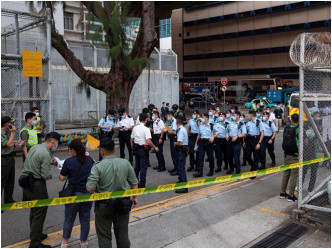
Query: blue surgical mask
column 267, row 111
column 194, row 116
column 278, row 106
column 123, row 116
column 54, row 148
column 37, row 114
column 153, row 118
column 264, row 119
column 233, row 118
column 210, row 113
column 169, row 119
column 217, row 109
column 111, row 118
column 228, row 115
column 257, row 115
column 241, row 119
column 33, row 123
column 221, row 119
column 202, row 121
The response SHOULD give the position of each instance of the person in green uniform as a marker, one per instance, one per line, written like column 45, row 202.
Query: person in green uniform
column 40, row 124
column 29, row 133
column 7, row 158
column 111, row 174
column 38, row 162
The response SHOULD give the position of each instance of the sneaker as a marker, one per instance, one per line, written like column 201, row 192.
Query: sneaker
column 63, row 245
column 84, row 245
column 293, row 198
column 283, row 195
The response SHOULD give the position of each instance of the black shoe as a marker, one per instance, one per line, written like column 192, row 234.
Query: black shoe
column 161, row 169
column 175, row 173
column 210, row 173
column 181, row 191
column 228, row 172
column 198, row 174
column 262, row 167
column 273, row 164
column 141, row 185
column 44, row 236
column 218, row 169
column 171, row 170
column 157, row 167
column 244, row 164
column 252, row 178
column 190, row 169
column 40, row 246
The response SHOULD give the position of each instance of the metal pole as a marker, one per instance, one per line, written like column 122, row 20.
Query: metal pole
column 19, row 74
column 149, row 85
column 48, row 45
column 301, row 76
column 224, row 102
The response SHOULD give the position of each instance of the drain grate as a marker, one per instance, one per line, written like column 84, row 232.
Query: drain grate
column 282, row 237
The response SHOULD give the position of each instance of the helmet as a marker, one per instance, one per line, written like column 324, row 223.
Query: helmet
column 175, row 107
column 182, row 107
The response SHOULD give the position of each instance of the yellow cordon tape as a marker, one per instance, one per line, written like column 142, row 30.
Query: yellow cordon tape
column 155, row 189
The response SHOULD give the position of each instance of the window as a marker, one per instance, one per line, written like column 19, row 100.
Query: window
column 68, row 20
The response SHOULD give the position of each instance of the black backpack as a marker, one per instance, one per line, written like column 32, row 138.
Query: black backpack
column 289, row 140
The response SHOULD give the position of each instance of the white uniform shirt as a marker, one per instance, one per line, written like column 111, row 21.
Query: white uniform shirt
column 126, row 122
column 140, row 134
column 272, row 117
column 158, row 126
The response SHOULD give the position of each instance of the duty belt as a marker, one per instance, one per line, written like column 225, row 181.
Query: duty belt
column 204, row 139
column 267, row 137
column 238, row 140
column 8, row 155
column 254, row 137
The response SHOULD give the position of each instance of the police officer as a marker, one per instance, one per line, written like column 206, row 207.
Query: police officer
column 29, row 133
column 204, row 145
column 109, row 175
column 219, row 140
column 182, row 147
column 146, row 111
column 236, row 133
column 228, row 116
column 193, row 131
column 158, row 139
column 244, row 145
column 211, row 118
column 7, row 158
column 259, row 114
column 106, row 125
column 40, row 124
column 125, row 125
column 140, row 142
column 181, row 113
column 38, row 163
column 255, row 137
column 172, row 140
column 270, row 132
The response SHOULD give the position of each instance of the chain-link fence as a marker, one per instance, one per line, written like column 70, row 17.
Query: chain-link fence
column 23, row 31
column 314, row 102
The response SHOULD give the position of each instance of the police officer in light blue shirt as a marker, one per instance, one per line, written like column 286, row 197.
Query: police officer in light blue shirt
column 211, row 117
column 270, row 132
column 204, row 145
column 106, row 125
column 219, row 138
column 228, row 116
column 236, row 132
column 181, row 147
column 172, row 140
column 193, row 131
column 259, row 114
column 254, row 139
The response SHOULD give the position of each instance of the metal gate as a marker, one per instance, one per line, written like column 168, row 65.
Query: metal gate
column 22, row 30
column 312, row 53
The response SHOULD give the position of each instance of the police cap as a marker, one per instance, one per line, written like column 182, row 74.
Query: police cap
column 196, row 111
column 266, row 113
column 107, row 143
column 121, row 110
column 111, row 111
column 6, row 119
column 222, row 113
column 205, row 115
column 237, row 113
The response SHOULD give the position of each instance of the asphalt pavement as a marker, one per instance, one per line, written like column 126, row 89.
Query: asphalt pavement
column 15, row 224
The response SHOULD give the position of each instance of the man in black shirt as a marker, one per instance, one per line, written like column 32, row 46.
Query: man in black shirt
column 278, row 113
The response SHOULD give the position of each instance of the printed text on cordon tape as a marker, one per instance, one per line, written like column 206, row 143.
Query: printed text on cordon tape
column 155, row 189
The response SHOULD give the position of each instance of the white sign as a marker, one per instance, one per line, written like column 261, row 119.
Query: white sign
column 224, row 88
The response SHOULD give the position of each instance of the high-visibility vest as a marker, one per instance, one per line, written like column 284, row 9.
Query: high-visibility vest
column 294, row 110
column 33, row 137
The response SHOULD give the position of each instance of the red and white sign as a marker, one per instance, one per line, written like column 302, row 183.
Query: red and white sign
column 224, row 88
column 224, row 81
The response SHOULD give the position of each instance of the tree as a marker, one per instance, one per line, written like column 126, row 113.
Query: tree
column 126, row 66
